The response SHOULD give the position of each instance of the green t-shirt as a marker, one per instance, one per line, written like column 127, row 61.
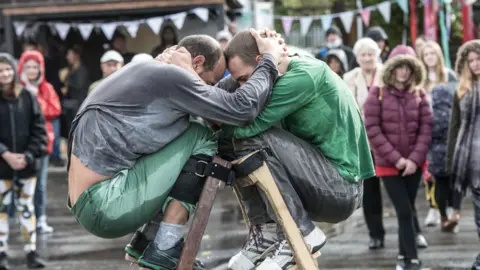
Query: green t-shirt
column 314, row 104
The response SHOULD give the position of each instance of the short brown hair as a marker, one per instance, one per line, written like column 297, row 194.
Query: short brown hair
column 203, row 45
column 244, row 46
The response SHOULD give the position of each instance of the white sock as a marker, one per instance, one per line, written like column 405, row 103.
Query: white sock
column 316, row 238
column 168, row 235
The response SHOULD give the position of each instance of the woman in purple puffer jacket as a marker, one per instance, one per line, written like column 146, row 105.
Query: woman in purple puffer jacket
column 398, row 120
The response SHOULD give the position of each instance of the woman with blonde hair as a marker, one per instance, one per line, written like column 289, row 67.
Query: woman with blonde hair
column 463, row 148
column 360, row 80
column 437, row 73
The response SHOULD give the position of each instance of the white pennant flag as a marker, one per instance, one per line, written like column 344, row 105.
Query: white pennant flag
column 85, row 30
column 305, row 23
column 62, row 29
column 384, row 9
column 178, row 19
column 19, row 27
column 326, row 21
column 108, row 29
column 155, row 24
column 347, row 19
column 287, row 24
column 202, row 13
column 132, row 28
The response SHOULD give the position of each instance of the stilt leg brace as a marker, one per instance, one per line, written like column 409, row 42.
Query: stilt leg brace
column 190, row 182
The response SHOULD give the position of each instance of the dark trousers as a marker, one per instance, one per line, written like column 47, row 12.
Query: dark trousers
column 372, row 207
column 443, row 194
column 457, row 204
column 403, row 192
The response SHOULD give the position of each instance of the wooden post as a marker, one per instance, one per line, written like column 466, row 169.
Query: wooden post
column 200, row 219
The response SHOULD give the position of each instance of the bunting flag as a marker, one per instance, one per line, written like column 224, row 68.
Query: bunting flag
column 326, row 21
column 305, row 23
column 108, row 29
column 201, row 13
column 403, row 4
column 287, row 24
column 62, row 29
column 365, row 14
column 85, row 30
column 19, row 27
column 132, row 28
column 178, row 19
column 347, row 20
column 155, row 24
column 385, row 10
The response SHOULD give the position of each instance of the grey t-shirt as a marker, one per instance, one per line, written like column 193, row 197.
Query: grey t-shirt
column 142, row 107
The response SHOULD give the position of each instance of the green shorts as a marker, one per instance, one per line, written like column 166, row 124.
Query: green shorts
column 118, row 206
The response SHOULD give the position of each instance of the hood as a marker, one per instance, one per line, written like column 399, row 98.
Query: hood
column 403, row 55
column 341, row 55
column 5, row 57
column 463, row 51
column 38, row 57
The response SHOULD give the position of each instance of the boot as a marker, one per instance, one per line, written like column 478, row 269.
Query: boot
column 156, row 259
column 443, row 222
column 452, row 224
column 4, row 261
column 376, row 243
column 34, row 260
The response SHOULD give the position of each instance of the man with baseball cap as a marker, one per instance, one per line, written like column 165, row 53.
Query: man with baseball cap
column 110, row 62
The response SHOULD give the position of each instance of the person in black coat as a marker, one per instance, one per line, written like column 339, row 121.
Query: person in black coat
column 23, row 139
column 380, row 36
column 442, row 96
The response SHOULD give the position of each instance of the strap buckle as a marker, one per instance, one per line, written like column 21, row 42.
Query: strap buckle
column 202, row 170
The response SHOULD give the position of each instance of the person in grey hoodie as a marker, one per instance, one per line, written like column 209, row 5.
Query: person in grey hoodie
column 336, row 59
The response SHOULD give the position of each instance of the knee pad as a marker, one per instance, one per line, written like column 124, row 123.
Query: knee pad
column 189, row 184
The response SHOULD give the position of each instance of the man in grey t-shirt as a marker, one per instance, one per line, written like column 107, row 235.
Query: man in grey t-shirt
column 134, row 152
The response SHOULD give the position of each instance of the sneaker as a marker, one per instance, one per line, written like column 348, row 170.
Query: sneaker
column 413, row 265
column 433, row 218
column 421, row 241
column 401, row 263
column 476, row 264
column 141, row 238
column 156, row 259
column 261, row 241
column 42, row 226
column 4, row 261
column 34, row 260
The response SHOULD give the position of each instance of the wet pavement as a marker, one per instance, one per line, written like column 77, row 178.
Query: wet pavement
column 71, row 247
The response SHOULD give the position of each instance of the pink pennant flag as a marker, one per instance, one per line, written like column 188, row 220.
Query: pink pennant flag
column 287, row 24
column 365, row 14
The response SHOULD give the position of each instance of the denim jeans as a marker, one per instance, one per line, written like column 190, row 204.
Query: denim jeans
column 56, row 142
column 40, row 198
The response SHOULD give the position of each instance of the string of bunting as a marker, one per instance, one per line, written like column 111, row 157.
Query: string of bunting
column 108, row 28
column 346, row 17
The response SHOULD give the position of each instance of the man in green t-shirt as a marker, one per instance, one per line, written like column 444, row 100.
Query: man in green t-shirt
column 318, row 158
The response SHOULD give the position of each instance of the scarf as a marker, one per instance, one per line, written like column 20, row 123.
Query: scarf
column 463, row 148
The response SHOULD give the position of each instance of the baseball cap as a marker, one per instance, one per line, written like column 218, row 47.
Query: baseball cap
column 111, row 56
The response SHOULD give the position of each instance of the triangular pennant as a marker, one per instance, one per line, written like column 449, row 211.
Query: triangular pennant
column 108, row 29
column 384, row 9
column 178, row 19
column 403, row 4
column 202, row 13
column 347, row 19
column 287, row 24
column 305, row 23
column 365, row 14
column 19, row 27
column 132, row 28
column 85, row 30
column 155, row 24
column 326, row 21
column 62, row 29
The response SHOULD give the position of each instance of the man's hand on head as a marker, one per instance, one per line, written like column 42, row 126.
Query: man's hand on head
column 270, row 42
column 178, row 56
